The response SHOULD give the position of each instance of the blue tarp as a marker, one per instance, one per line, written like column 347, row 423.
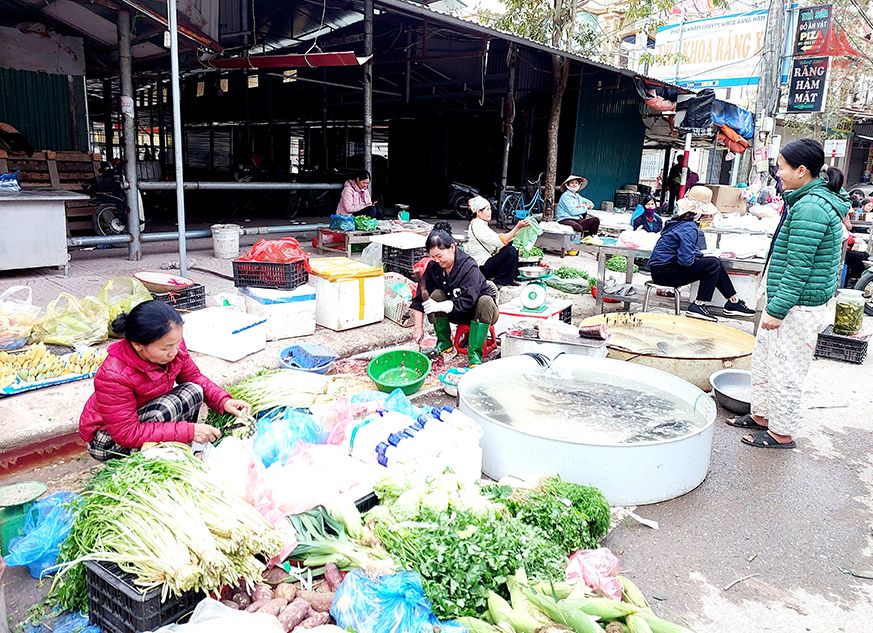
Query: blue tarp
column 735, row 117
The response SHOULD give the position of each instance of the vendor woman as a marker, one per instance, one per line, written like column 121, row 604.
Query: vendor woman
column 456, row 292
column 573, row 209
column 148, row 389
column 496, row 256
column 644, row 216
column 677, row 260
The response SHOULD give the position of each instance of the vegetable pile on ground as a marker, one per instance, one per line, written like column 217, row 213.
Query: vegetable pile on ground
column 618, row 264
column 465, row 544
column 166, row 523
column 571, row 280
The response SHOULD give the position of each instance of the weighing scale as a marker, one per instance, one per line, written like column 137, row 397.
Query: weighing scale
column 533, row 294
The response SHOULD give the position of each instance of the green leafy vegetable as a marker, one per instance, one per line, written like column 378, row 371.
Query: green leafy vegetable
column 618, row 264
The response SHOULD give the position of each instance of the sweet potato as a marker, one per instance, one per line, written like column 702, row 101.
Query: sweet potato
column 320, row 601
column 274, row 606
column 230, row 604
column 262, row 592
column 257, row 604
column 322, row 586
column 317, row 620
column 275, row 575
column 241, row 599
column 333, row 576
column 285, row 590
column 293, row 614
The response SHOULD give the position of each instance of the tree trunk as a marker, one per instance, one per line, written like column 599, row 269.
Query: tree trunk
column 560, row 71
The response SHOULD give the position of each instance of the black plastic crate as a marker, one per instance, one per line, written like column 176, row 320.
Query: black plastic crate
column 403, row 257
column 626, row 199
column 838, row 347
column 269, row 275
column 406, row 271
column 187, row 300
column 367, row 502
column 116, row 605
column 567, row 315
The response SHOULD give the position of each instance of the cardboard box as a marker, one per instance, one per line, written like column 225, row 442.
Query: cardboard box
column 728, row 199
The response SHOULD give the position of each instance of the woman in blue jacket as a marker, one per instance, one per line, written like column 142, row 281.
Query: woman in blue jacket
column 645, row 216
column 573, row 209
column 676, row 259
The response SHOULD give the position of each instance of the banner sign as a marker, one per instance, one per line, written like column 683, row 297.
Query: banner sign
column 813, row 28
column 808, row 84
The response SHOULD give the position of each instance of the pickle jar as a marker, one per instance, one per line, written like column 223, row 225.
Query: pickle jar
column 850, row 312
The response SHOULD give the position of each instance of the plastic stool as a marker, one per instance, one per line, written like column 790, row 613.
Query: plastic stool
column 651, row 285
column 462, row 333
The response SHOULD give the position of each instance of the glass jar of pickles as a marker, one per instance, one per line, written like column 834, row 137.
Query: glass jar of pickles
column 850, row 312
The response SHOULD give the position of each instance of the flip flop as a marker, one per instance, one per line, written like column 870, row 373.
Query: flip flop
column 763, row 439
column 745, row 422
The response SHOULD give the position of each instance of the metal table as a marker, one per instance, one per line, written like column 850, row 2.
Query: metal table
column 33, row 228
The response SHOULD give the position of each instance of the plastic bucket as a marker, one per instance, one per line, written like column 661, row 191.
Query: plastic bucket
column 225, row 241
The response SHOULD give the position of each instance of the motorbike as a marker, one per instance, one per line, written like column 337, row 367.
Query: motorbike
column 318, row 202
column 257, row 169
column 459, row 199
column 110, row 202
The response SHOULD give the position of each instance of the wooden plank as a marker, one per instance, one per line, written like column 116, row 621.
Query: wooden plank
column 3, row 168
column 53, row 173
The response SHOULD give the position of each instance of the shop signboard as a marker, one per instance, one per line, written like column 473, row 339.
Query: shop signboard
column 813, row 27
column 808, row 84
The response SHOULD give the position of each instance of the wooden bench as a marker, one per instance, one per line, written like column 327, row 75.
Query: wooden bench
column 57, row 170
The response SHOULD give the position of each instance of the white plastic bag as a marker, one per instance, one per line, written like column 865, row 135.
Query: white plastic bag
column 372, row 254
column 17, row 317
column 230, row 300
column 210, row 616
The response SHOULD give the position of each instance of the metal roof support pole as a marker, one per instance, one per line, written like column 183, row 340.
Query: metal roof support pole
column 177, row 134
column 368, row 87
column 162, row 130
column 508, row 117
column 108, row 128
column 129, row 134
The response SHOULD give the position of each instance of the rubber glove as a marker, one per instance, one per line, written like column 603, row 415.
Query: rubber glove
column 430, row 306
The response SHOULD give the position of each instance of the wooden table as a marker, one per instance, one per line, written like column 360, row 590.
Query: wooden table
column 349, row 238
column 752, row 266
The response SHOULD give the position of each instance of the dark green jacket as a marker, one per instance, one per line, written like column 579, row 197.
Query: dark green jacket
column 804, row 266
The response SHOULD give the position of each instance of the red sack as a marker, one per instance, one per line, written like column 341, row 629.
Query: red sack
column 284, row 251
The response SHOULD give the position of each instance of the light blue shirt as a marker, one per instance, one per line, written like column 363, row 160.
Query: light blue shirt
column 567, row 206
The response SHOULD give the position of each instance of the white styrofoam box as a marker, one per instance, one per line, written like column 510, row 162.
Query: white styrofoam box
column 512, row 311
column 289, row 313
column 225, row 333
column 350, row 294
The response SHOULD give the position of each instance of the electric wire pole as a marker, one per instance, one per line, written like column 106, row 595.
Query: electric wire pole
column 769, row 79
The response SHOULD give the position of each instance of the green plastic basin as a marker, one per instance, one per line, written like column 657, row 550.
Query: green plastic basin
column 402, row 368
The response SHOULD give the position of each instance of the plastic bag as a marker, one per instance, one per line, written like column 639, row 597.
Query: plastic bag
column 284, row 251
column 598, row 569
column 229, row 300
column 9, row 182
column 526, row 238
column 577, row 286
column 82, row 321
column 336, row 417
column 122, row 295
column 74, row 622
column 281, row 429
column 17, row 317
column 389, row 604
column 372, row 254
column 366, row 223
column 210, row 616
column 397, row 401
column 342, row 222
column 46, row 526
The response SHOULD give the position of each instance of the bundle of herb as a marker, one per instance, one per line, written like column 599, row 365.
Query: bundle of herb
column 618, row 264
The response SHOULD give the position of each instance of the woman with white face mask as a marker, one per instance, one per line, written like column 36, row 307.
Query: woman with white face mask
column 573, row 208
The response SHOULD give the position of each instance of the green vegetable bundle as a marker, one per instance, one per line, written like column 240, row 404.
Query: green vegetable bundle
column 165, row 522
column 618, row 264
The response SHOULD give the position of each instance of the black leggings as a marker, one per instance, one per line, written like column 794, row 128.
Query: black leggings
column 502, row 267
column 855, row 261
column 374, row 211
column 707, row 270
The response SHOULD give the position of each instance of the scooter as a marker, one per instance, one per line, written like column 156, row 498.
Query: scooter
column 459, row 200
column 110, row 202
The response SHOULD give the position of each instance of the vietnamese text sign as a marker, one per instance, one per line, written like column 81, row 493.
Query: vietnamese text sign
column 807, row 84
column 835, row 148
column 720, row 52
column 812, row 28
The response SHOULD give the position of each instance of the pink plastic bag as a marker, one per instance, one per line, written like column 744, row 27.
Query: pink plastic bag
column 598, row 569
column 336, row 417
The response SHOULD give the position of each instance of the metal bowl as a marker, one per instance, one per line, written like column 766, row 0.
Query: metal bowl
column 733, row 389
column 534, row 272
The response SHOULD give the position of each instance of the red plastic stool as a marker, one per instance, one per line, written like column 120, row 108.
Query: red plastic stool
column 462, row 334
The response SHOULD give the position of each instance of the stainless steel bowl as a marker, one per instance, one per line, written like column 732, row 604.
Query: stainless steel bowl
column 733, row 389
column 534, row 272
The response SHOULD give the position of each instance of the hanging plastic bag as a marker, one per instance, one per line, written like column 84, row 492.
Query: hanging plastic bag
column 281, row 429
column 598, row 569
column 122, row 295
column 342, row 222
column 82, row 321
column 46, row 526
column 284, row 251
column 372, row 254
column 526, row 238
column 17, row 317
column 389, row 604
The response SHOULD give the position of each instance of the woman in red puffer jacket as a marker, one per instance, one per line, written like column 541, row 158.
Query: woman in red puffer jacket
column 148, row 389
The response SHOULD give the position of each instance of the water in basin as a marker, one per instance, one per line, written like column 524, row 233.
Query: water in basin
column 634, row 335
column 568, row 404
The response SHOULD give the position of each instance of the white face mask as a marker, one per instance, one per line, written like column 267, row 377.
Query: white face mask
column 573, row 189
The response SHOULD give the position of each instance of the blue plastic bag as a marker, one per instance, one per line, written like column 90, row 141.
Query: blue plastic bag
column 390, row 604
column 47, row 525
column 369, row 396
column 398, row 402
column 342, row 222
column 281, row 428
column 72, row 622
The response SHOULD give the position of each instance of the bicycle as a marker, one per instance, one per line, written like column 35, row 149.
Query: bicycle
column 514, row 208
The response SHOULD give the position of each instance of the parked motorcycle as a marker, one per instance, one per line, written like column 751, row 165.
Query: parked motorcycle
column 257, row 169
column 110, row 201
column 318, row 202
column 459, row 200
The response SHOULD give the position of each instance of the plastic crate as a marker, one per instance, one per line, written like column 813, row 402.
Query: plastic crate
column 367, row 502
column 567, row 315
column 269, row 275
column 626, row 199
column 116, row 605
column 187, row 300
column 837, row 347
column 401, row 260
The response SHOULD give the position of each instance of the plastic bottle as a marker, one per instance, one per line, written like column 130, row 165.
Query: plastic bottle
column 365, row 437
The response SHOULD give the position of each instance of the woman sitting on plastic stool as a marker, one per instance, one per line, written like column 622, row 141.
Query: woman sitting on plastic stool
column 454, row 290
column 677, row 260
column 495, row 254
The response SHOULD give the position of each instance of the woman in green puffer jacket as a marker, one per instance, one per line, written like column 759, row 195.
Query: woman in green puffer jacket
column 802, row 277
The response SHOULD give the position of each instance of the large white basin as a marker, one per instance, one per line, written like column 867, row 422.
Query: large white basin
column 628, row 473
